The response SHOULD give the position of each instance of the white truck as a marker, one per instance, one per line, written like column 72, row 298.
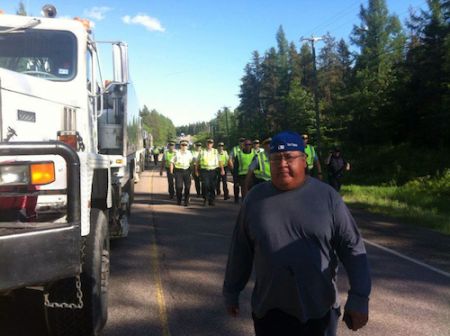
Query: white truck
column 70, row 148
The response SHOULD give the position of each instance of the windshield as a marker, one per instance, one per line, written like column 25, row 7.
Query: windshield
column 41, row 53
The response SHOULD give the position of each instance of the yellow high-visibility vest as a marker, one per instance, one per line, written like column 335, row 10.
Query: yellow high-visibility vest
column 209, row 159
column 168, row 158
column 311, row 153
column 263, row 173
column 223, row 158
column 244, row 161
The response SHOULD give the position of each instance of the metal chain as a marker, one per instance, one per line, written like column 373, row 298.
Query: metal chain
column 65, row 305
column 79, row 293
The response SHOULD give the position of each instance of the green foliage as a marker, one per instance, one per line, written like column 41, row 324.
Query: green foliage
column 202, row 137
column 393, row 165
column 428, row 75
column 159, row 126
column 194, row 128
column 387, row 104
column 421, row 201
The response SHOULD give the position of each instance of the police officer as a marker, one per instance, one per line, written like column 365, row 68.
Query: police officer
column 259, row 169
column 206, row 165
column 312, row 159
column 155, row 153
column 242, row 162
column 181, row 167
column 233, row 164
column 167, row 158
column 195, row 152
column 223, row 160
column 256, row 146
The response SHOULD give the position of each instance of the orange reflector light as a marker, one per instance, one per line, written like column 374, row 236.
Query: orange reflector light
column 119, row 161
column 85, row 22
column 42, row 173
column 70, row 139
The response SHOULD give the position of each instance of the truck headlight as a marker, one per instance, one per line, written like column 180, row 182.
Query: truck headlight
column 14, row 175
column 27, row 173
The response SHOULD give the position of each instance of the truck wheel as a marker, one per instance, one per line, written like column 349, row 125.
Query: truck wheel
column 89, row 320
column 130, row 191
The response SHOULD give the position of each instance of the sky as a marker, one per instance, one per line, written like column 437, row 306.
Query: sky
column 187, row 57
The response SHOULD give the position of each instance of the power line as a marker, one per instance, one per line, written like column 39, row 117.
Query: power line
column 348, row 10
column 344, row 12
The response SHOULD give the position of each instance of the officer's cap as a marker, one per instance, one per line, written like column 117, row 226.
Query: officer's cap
column 171, row 143
column 241, row 139
column 256, row 142
column 198, row 144
column 220, row 144
column 210, row 141
column 267, row 140
column 184, row 142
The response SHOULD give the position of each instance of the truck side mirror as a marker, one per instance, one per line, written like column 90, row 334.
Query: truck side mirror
column 120, row 62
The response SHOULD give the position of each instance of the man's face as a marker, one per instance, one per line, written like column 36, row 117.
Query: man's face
column 287, row 169
column 305, row 139
column 171, row 148
column 209, row 144
column 247, row 146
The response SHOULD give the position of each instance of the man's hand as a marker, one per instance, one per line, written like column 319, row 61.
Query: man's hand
column 233, row 311
column 222, row 172
column 355, row 320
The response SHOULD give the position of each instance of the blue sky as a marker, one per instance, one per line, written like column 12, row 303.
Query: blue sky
column 187, row 57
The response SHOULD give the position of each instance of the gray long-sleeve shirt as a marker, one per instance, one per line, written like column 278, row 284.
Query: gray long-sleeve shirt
column 294, row 239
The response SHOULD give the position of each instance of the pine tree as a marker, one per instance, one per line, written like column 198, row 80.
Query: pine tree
column 381, row 41
column 21, row 10
column 429, row 66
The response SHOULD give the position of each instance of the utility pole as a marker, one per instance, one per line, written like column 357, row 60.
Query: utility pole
column 226, row 124
column 313, row 39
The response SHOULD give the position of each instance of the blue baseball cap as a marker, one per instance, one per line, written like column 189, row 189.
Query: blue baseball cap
column 287, row 141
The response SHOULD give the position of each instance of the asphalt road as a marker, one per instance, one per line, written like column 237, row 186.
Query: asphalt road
column 166, row 277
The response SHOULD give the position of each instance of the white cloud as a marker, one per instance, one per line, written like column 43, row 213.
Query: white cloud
column 148, row 22
column 97, row 13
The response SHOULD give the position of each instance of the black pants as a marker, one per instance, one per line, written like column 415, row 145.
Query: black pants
column 182, row 178
column 222, row 179
column 198, row 187
column 155, row 158
column 239, row 182
column 278, row 323
column 209, row 178
column 170, row 182
column 335, row 182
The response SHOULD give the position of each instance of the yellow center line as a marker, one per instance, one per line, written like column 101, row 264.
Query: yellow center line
column 156, row 271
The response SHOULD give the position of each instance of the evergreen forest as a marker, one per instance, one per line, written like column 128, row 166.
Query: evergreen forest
column 384, row 98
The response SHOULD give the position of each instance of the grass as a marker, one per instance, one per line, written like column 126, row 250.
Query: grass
column 423, row 201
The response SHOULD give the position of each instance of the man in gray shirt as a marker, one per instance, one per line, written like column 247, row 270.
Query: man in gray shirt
column 294, row 229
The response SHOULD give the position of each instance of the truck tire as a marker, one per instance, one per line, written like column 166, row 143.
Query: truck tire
column 89, row 320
